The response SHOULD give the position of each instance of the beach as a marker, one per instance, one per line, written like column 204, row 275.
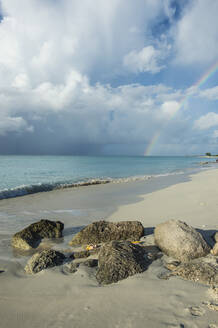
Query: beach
column 55, row 298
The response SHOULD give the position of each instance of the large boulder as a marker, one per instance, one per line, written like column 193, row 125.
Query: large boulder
column 119, row 259
column 179, row 240
column 31, row 236
column 198, row 270
column 43, row 260
column 103, row 231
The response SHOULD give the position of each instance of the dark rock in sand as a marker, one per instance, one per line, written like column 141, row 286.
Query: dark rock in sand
column 43, row 260
column 102, row 231
column 119, row 259
column 198, row 270
column 180, row 241
column 31, row 236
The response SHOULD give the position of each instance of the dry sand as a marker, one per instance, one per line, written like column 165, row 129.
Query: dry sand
column 53, row 298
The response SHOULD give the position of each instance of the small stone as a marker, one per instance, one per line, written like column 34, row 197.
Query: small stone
column 71, row 267
column 43, row 260
column 196, row 311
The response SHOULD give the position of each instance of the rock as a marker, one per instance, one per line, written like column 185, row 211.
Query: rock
column 214, row 251
column 197, row 270
column 180, row 241
column 71, row 267
column 43, row 260
column 102, row 231
column 119, row 259
column 31, row 236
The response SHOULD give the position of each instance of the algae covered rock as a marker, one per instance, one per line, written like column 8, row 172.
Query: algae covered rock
column 180, row 241
column 31, row 236
column 43, row 260
column 103, row 231
column 198, row 270
column 118, row 260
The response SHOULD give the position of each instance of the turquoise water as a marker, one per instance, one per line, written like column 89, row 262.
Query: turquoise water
column 20, row 175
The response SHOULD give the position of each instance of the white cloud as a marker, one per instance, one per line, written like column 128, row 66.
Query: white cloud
column 145, row 60
column 12, row 124
column 211, row 93
column 169, row 108
column 21, row 81
column 196, row 34
column 92, row 38
column 206, row 121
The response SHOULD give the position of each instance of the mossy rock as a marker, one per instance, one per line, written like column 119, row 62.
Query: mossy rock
column 103, row 231
column 31, row 236
column 43, row 260
column 118, row 260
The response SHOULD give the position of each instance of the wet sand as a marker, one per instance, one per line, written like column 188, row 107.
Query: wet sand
column 54, row 298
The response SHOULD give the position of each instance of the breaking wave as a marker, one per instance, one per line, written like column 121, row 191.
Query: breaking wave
column 24, row 190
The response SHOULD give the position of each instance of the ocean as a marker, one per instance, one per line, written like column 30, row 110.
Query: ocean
column 22, row 175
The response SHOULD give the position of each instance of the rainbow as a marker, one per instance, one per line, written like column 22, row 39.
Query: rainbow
column 206, row 76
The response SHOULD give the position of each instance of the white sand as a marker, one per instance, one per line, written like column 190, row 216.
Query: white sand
column 195, row 202
column 54, row 299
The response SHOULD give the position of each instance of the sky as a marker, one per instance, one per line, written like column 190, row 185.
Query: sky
column 118, row 77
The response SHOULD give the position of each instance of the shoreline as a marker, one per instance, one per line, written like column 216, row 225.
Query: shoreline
column 23, row 187
column 55, row 299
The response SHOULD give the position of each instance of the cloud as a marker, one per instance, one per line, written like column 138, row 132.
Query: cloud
column 210, row 94
column 55, row 58
column 145, row 60
column 170, row 108
column 12, row 124
column 74, row 35
column 206, row 121
column 196, row 33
